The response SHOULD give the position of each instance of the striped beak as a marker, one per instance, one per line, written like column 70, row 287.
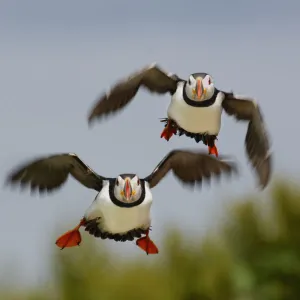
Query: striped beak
column 199, row 89
column 127, row 189
column 198, row 92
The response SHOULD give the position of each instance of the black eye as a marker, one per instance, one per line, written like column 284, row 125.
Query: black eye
column 209, row 81
column 117, row 181
column 189, row 82
column 138, row 182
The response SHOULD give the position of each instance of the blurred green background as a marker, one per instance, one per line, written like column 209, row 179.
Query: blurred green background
column 254, row 253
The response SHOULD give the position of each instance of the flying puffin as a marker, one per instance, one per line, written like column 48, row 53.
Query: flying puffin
column 195, row 110
column 121, row 209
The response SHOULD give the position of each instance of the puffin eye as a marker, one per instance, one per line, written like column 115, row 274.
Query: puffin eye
column 138, row 182
column 209, row 80
column 189, row 82
column 117, row 182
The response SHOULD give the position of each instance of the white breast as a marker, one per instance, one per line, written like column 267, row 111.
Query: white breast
column 115, row 219
column 196, row 119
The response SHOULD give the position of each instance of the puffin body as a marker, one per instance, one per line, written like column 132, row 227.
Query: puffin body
column 116, row 219
column 195, row 110
column 121, row 209
column 195, row 119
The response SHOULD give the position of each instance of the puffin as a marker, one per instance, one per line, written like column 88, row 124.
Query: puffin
column 195, row 111
column 121, row 208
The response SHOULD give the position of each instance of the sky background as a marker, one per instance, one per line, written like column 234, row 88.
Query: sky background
column 57, row 57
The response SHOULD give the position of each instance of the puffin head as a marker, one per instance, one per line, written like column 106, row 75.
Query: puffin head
column 199, row 87
column 127, row 188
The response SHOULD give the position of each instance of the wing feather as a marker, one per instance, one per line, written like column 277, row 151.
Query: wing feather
column 257, row 140
column 190, row 167
column 50, row 173
column 152, row 78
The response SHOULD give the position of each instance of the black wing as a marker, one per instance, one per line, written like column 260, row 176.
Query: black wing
column 152, row 78
column 50, row 173
column 257, row 140
column 189, row 167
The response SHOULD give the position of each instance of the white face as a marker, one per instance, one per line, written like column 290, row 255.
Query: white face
column 128, row 190
column 200, row 89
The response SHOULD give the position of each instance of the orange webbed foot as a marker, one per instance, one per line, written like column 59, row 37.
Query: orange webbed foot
column 213, row 150
column 168, row 131
column 146, row 244
column 71, row 238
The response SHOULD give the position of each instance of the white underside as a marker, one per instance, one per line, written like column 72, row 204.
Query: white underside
column 115, row 219
column 196, row 119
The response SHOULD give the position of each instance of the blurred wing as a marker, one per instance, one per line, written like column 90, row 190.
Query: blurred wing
column 152, row 78
column 257, row 140
column 189, row 167
column 50, row 173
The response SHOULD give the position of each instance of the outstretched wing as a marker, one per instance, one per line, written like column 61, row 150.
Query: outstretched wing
column 50, row 173
column 257, row 140
column 189, row 167
column 152, row 78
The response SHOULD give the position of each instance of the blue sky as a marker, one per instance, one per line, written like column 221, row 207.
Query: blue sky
column 57, row 57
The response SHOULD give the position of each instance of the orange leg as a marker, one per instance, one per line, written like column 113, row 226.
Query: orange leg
column 71, row 238
column 168, row 131
column 146, row 244
column 213, row 150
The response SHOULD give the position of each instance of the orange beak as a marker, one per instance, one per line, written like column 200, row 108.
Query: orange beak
column 127, row 190
column 199, row 89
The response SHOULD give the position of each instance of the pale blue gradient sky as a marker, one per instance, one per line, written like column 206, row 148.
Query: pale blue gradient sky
column 57, row 57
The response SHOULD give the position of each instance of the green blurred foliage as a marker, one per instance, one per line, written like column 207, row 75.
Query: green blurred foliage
column 255, row 255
